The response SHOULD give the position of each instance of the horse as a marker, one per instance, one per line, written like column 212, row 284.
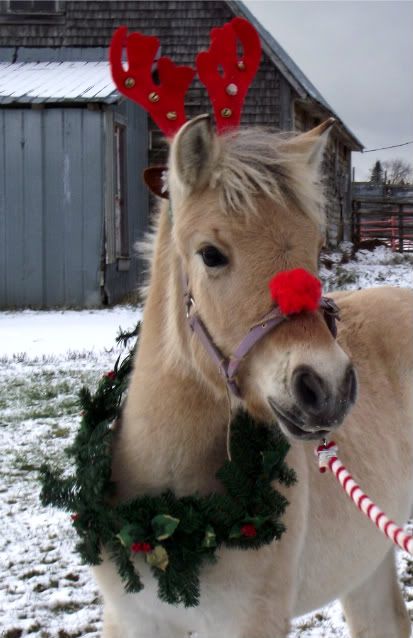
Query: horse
column 244, row 206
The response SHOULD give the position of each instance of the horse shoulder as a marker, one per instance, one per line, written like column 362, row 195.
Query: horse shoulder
column 377, row 326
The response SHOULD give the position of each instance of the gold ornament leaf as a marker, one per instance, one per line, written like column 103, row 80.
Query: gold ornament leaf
column 158, row 557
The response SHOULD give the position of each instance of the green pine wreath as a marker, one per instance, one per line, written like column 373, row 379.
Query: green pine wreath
column 176, row 536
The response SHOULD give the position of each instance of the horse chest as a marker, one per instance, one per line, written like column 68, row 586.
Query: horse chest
column 227, row 591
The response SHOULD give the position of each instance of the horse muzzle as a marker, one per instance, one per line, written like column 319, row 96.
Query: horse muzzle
column 318, row 408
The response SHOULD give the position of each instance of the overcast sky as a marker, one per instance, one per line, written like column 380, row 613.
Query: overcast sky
column 359, row 55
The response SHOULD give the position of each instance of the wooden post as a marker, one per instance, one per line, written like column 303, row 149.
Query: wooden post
column 355, row 231
column 401, row 229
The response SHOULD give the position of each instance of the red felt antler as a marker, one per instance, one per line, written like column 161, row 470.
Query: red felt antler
column 227, row 91
column 163, row 101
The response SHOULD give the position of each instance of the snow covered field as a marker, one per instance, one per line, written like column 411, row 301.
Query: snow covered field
column 45, row 357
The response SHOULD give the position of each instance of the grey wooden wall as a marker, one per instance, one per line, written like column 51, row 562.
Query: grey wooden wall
column 123, row 285
column 51, row 203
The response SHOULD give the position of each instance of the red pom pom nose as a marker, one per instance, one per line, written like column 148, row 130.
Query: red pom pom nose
column 295, row 291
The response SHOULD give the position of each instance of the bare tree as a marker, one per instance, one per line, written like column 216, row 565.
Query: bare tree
column 398, row 171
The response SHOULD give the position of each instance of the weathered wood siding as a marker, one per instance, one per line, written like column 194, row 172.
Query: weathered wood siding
column 51, row 202
column 336, row 177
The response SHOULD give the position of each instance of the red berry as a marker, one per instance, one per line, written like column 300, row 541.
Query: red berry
column 74, row 517
column 136, row 547
column 111, row 375
column 141, row 547
column 249, row 530
column 146, row 548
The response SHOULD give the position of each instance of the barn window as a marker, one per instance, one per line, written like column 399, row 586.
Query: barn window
column 121, row 211
column 32, row 11
column 34, row 6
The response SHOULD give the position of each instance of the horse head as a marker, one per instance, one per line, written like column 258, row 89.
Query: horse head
column 247, row 205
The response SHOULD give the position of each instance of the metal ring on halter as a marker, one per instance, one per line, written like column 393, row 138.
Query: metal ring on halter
column 189, row 303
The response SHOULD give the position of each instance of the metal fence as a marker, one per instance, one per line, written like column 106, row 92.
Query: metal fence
column 387, row 220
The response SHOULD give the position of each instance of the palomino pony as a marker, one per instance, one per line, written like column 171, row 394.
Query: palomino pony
column 243, row 207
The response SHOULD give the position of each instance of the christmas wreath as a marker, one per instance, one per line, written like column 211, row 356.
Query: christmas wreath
column 176, row 536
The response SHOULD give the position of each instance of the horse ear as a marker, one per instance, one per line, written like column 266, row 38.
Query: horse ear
column 193, row 153
column 311, row 144
column 156, row 179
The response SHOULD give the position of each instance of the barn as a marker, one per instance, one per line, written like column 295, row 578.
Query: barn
column 72, row 203
column 67, row 238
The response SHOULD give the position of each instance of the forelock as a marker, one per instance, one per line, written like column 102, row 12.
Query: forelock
column 254, row 163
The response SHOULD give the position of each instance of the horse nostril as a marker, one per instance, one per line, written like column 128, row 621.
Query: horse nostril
column 309, row 390
column 350, row 385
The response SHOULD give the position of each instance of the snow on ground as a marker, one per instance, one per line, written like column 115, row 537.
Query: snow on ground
column 380, row 267
column 42, row 334
column 45, row 357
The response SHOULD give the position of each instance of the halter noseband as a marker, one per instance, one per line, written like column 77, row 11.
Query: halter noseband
column 228, row 366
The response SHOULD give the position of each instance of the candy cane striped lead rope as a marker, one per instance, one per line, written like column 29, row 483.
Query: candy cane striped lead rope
column 327, row 459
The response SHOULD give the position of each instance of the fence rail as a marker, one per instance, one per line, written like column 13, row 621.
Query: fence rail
column 387, row 220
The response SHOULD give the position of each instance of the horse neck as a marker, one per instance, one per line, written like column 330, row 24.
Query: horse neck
column 173, row 426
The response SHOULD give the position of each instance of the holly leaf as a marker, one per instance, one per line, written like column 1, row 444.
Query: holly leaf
column 158, row 558
column 210, row 538
column 164, row 526
column 130, row 534
column 235, row 531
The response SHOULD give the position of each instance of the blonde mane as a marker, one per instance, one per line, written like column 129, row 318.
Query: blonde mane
column 255, row 162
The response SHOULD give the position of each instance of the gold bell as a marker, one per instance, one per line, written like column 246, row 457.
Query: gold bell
column 129, row 83
column 153, row 97
column 171, row 115
column 226, row 112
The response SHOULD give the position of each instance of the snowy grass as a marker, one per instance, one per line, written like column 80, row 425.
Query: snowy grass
column 380, row 267
column 44, row 358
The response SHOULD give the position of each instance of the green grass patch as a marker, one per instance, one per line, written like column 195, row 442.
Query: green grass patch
column 60, row 432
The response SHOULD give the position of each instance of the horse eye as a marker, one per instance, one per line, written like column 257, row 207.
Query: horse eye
column 212, row 257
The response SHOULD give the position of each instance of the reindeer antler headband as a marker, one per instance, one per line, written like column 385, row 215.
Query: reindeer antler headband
column 226, row 76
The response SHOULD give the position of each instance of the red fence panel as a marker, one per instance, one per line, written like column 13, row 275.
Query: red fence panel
column 387, row 220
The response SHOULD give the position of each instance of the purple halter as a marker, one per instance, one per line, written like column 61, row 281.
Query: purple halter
column 228, row 366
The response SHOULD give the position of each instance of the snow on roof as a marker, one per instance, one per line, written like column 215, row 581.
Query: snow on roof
column 29, row 82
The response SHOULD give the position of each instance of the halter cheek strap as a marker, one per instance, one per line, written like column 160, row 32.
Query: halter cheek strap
column 228, row 366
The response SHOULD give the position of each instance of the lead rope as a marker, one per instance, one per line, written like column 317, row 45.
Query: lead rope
column 328, row 460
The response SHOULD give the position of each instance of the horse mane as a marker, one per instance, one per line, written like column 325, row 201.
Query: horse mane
column 256, row 162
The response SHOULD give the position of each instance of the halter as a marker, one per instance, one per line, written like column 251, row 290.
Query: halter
column 228, row 366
